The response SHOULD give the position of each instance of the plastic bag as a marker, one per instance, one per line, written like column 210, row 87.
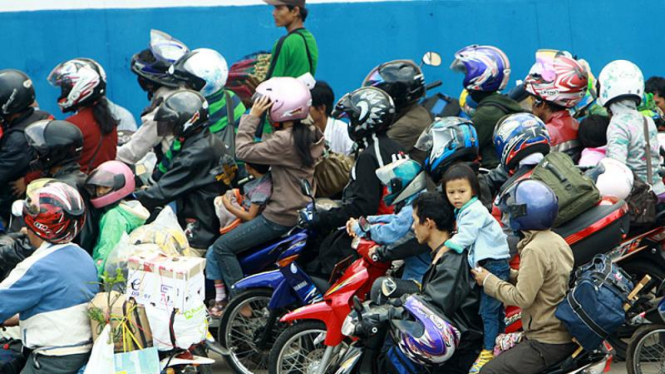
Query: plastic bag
column 165, row 231
column 101, row 357
column 189, row 327
column 118, row 257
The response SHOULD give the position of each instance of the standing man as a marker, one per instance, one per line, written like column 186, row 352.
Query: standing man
column 296, row 53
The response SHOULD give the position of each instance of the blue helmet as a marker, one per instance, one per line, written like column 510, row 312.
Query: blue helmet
column 530, row 205
column 485, row 68
column 447, row 140
column 404, row 179
column 519, row 135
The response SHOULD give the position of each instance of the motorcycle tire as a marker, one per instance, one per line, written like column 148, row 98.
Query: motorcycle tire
column 301, row 328
column 636, row 269
column 257, row 296
column 639, row 353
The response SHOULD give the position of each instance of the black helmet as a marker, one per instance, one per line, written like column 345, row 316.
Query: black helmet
column 152, row 64
column 181, row 113
column 16, row 92
column 369, row 110
column 401, row 79
column 55, row 143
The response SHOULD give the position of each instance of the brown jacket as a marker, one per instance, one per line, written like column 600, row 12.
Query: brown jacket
column 541, row 283
column 407, row 129
column 286, row 168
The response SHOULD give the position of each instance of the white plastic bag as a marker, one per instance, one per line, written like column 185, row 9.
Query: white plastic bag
column 101, row 357
column 190, row 327
column 165, row 231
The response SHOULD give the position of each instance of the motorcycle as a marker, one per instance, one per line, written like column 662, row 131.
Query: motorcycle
column 268, row 295
column 314, row 342
column 363, row 355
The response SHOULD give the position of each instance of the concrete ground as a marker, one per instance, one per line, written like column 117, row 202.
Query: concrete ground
column 221, row 368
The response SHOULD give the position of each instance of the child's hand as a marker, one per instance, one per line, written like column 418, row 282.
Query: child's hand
column 226, row 201
column 480, row 273
column 349, row 227
column 260, row 106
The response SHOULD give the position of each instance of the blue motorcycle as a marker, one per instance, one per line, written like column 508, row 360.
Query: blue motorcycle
column 250, row 322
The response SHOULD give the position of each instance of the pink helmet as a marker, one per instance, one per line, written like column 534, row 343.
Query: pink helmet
column 558, row 78
column 114, row 174
column 290, row 97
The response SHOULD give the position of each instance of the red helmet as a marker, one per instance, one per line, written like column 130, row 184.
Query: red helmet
column 558, row 78
column 55, row 212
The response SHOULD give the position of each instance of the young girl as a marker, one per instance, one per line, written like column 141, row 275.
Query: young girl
column 487, row 246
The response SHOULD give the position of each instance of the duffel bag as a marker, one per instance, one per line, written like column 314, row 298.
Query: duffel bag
column 593, row 308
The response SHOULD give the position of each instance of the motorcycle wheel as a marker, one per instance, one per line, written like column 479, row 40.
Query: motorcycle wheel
column 637, row 269
column 300, row 348
column 240, row 335
column 645, row 350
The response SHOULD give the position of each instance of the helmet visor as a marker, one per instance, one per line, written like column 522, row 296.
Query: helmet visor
column 34, row 134
column 164, row 47
column 373, row 78
column 544, row 66
column 166, row 119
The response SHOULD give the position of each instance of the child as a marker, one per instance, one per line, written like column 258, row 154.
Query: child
column 233, row 209
column 481, row 235
column 593, row 136
column 110, row 184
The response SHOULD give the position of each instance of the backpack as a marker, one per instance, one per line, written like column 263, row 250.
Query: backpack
column 593, row 309
column 576, row 192
column 332, row 173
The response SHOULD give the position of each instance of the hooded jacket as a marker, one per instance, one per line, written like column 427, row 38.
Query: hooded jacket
column 408, row 128
column 191, row 185
column 489, row 111
column 122, row 218
column 286, row 168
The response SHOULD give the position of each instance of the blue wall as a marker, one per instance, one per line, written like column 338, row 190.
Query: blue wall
column 352, row 38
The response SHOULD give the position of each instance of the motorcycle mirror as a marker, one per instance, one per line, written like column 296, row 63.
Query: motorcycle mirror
column 357, row 305
column 306, row 188
column 432, row 59
column 17, row 208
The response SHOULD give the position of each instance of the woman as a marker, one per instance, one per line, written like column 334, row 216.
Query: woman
column 292, row 152
column 82, row 82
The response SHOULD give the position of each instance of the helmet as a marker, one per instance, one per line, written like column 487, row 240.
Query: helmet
column 55, row 143
column 519, row 135
column 81, row 81
column 181, row 113
column 404, row 179
column 369, row 110
column 16, row 92
column 153, row 63
column 55, row 212
column 114, row 174
column 613, row 178
column 430, row 339
column 203, row 70
column 530, row 205
column 558, row 78
column 401, row 79
column 290, row 98
column 447, row 140
column 620, row 79
column 485, row 68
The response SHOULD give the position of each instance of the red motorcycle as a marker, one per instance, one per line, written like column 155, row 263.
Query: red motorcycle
column 315, row 342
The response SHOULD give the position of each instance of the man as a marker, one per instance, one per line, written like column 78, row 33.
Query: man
column 656, row 86
column 335, row 131
column 538, row 286
column 486, row 71
column 49, row 294
column 17, row 95
column 298, row 53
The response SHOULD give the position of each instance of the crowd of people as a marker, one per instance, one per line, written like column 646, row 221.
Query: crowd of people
column 79, row 190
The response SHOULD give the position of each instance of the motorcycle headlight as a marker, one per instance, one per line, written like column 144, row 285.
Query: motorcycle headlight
column 349, row 326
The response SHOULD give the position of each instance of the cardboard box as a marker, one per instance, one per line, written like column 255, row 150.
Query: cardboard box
column 117, row 310
column 166, row 282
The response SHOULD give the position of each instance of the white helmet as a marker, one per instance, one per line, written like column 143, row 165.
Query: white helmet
column 614, row 178
column 620, row 78
column 203, row 69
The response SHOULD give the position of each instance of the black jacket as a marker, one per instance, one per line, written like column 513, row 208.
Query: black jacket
column 72, row 175
column 14, row 248
column 15, row 155
column 449, row 286
column 191, row 185
column 364, row 193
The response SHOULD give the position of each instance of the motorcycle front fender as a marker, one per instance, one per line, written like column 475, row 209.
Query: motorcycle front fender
column 268, row 279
